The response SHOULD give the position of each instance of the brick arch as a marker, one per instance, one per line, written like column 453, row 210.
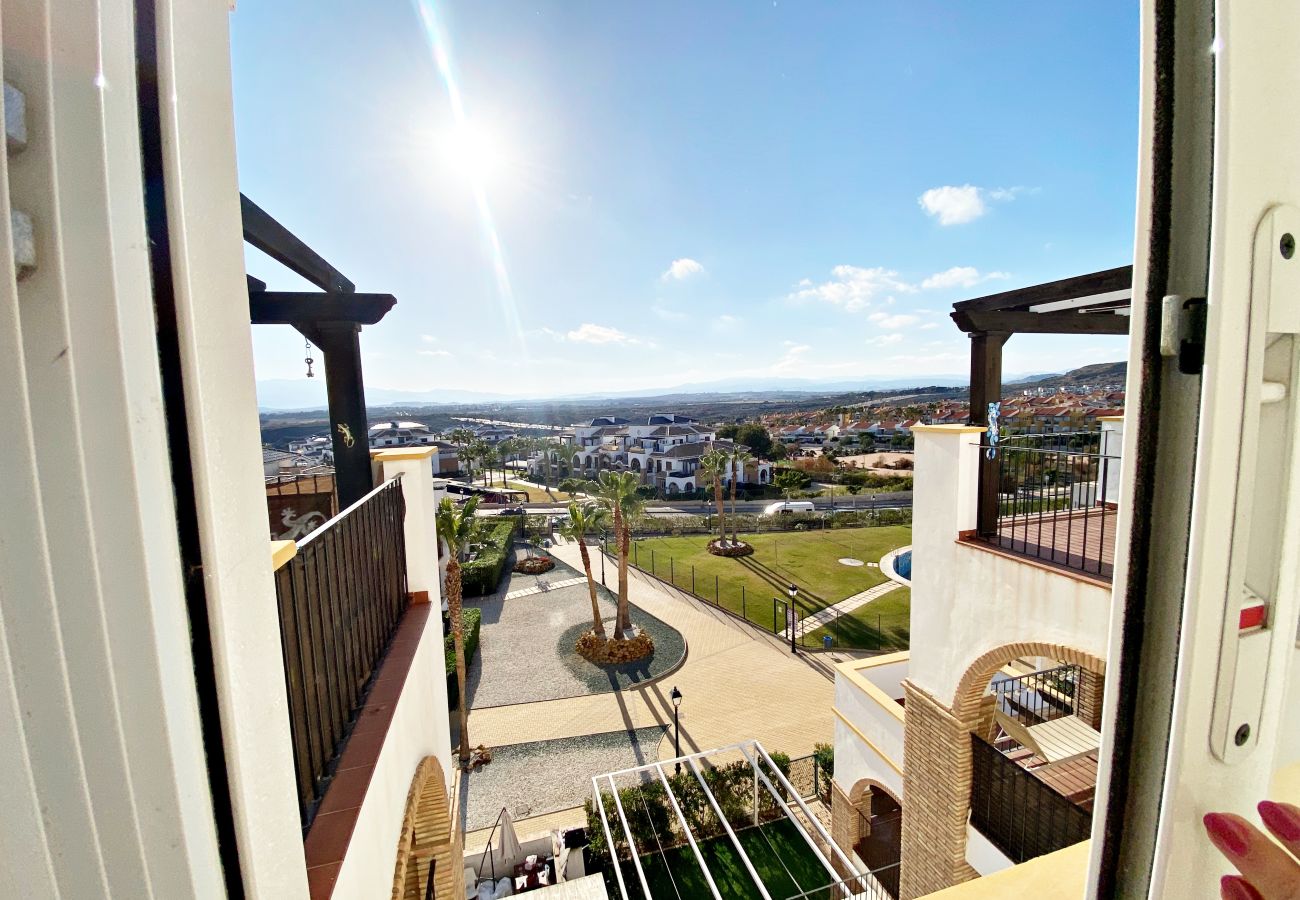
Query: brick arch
column 973, row 684
column 862, row 784
column 428, row 834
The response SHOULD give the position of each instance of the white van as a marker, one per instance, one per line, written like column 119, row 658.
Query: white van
column 784, row 507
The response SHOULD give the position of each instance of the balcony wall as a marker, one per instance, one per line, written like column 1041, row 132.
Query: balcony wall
column 968, row 600
column 869, row 722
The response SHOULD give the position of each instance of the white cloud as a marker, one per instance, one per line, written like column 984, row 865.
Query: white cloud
column 725, row 322
column 888, row 322
column 957, row 205
column 885, row 340
column 959, row 276
column 428, row 339
column 681, row 269
column 928, row 325
column 852, row 288
column 589, row 333
column 434, row 353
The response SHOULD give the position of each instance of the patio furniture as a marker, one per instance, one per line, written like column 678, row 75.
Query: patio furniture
column 1054, row 741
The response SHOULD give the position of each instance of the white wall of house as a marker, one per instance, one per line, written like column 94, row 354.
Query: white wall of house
column 982, row 855
column 870, row 743
column 419, row 729
column 966, row 600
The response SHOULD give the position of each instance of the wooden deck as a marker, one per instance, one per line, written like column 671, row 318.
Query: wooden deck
column 1080, row 540
column 1075, row 780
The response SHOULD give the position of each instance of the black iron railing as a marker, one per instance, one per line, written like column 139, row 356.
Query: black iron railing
column 1017, row 811
column 1043, row 696
column 340, row 600
column 880, row 846
column 1044, row 496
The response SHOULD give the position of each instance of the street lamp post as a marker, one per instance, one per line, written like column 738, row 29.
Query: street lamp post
column 792, row 617
column 676, row 696
column 604, row 549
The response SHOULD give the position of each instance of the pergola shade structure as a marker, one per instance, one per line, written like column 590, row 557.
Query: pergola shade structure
column 728, row 824
column 332, row 320
column 1096, row 303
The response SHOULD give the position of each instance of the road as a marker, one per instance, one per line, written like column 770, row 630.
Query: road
column 895, row 500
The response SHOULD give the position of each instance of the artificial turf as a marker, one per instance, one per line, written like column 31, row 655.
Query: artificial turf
column 808, row 559
column 779, row 854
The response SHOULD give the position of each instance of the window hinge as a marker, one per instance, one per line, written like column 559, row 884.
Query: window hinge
column 1182, row 332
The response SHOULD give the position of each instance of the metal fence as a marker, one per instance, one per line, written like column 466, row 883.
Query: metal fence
column 1050, row 492
column 340, row 600
column 816, row 626
column 1042, row 696
column 810, row 779
column 872, row 886
column 1017, row 811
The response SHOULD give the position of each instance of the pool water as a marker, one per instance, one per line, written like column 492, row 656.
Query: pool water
column 903, row 564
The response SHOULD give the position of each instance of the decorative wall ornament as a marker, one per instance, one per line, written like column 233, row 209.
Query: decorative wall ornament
column 995, row 412
column 346, row 432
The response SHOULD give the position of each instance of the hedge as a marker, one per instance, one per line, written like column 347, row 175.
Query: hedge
column 471, row 618
column 494, row 536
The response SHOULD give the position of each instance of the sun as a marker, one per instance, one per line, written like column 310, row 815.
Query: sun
column 470, row 150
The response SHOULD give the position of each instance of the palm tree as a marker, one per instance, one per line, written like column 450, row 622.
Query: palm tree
column 739, row 459
column 616, row 492
column 454, row 526
column 587, row 518
column 713, row 465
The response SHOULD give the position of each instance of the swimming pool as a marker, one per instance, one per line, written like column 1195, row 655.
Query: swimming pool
column 903, row 564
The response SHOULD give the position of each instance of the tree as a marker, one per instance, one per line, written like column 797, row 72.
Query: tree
column 454, row 526
column 739, row 459
column 756, row 438
column 616, row 492
column 788, row 480
column 587, row 517
column 713, row 465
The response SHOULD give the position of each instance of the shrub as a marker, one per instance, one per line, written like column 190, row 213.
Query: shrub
column 481, row 575
column 471, row 619
column 824, row 754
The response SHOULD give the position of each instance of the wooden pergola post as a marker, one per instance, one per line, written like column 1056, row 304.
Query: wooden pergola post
column 341, row 344
column 986, row 388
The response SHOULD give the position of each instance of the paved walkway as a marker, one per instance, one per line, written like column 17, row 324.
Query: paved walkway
column 549, row 586
column 737, row 683
column 809, row 624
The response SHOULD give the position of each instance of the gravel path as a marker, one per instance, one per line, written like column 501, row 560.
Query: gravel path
column 526, row 643
column 545, row 776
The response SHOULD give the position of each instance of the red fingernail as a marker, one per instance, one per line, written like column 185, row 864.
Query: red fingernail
column 1282, row 819
column 1234, row 887
column 1231, row 835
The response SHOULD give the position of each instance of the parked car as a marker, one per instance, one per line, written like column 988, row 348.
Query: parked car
column 514, row 511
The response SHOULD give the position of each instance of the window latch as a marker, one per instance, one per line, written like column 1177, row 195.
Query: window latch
column 1182, row 332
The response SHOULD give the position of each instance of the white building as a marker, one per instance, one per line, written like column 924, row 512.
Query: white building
column 401, row 434
column 663, row 449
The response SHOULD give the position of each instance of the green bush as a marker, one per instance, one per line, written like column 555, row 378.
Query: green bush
column 824, row 754
column 494, row 536
column 471, row 619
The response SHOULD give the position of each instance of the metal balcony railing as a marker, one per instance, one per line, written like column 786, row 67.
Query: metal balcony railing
column 340, row 600
column 1044, row 496
column 1017, row 811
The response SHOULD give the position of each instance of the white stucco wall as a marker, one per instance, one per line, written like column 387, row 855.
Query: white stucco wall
column 855, row 758
column 982, row 855
column 966, row 600
column 419, row 729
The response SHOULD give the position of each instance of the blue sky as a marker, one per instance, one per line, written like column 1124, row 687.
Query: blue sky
column 642, row 195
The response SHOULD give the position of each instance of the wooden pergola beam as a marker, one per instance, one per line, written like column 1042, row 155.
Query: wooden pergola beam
column 1104, row 282
column 309, row 307
column 1015, row 322
column 283, row 246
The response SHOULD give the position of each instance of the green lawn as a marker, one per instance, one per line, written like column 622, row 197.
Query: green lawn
column 810, row 559
column 882, row 624
column 779, row 854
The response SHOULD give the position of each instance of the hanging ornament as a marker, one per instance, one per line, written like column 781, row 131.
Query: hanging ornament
column 309, row 361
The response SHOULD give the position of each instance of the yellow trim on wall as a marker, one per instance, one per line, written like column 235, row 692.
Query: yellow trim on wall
column 1110, row 418
column 1062, row 875
column 398, row 453
column 949, row 429
column 281, row 553
column 851, row 670
column 868, row 741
